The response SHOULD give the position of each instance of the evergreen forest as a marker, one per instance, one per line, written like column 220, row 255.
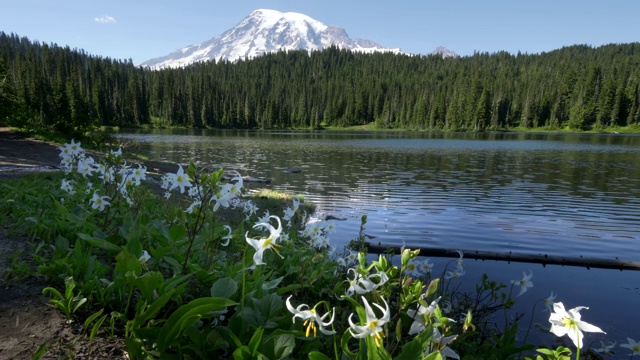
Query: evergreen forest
column 577, row 87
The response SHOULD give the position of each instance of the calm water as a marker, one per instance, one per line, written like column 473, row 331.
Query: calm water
column 571, row 195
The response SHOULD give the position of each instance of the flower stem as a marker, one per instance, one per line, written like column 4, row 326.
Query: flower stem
column 244, row 270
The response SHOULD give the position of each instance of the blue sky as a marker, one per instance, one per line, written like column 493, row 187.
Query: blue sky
column 145, row 29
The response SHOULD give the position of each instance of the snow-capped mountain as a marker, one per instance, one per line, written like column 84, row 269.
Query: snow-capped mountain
column 266, row 31
column 444, row 52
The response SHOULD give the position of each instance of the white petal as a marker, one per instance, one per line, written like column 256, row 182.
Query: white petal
column 584, row 326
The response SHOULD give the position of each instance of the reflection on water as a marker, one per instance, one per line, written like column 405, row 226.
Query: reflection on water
column 564, row 194
column 571, row 195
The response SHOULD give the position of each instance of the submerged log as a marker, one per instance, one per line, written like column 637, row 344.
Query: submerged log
column 543, row 259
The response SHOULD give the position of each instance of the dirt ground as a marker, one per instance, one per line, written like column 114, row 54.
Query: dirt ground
column 27, row 320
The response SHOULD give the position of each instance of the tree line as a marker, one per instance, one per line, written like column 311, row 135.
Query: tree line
column 580, row 87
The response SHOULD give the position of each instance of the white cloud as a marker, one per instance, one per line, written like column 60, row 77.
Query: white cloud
column 105, row 19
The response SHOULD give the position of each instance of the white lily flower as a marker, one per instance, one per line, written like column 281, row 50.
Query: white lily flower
column 351, row 257
column 425, row 266
column 460, row 260
column 107, row 175
column 372, row 325
column 446, row 307
column 165, row 181
column 179, row 179
column 251, row 208
column 89, row 187
column 222, row 198
column 633, row 346
column 194, row 191
column 193, row 206
column 525, row 283
column 419, row 317
column 412, row 269
column 70, row 150
column 548, row 302
column 67, row 186
column 296, row 203
column 116, row 152
column 454, row 274
column 144, row 257
column 288, row 214
column 85, row 167
column 359, row 284
column 139, row 174
column 265, row 217
column 270, row 242
column 311, row 319
column 441, row 345
column 99, row 202
column 606, row 349
column 568, row 323
column 227, row 237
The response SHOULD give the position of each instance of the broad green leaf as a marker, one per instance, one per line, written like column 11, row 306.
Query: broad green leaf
column 415, row 348
column 224, row 288
column 279, row 346
column 314, row 355
column 100, row 243
column 153, row 309
column 242, row 353
column 148, row 282
column 177, row 233
column 434, row 356
column 272, row 284
column 173, row 327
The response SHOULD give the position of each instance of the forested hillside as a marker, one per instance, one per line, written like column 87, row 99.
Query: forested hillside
column 45, row 85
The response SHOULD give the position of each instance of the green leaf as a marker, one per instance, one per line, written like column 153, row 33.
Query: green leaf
column 62, row 242
column 315, row 355
column 344, row 343
column 153, row 309
column 242, row 353
column 79, row 302
column 175, row 265
column 92, row 317
column 272, row 284
column 96, row 327
column 148, row 282
column 40, row 352
column 100, row 243
column 256, row 338
column 187, row 315
column 224, row 288
column 280, row 346
column 55, row 292
column 434, row 356
column 414, row 349
column 177, row 233
column 62, row 210
column 375, row 352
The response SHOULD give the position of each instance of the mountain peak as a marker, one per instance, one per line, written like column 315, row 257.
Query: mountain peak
column 444, row 52
column 264, row 31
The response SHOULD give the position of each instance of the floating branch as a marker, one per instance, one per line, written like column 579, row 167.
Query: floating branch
column 527, row 258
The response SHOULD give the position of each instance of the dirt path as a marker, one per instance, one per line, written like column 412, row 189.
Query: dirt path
column 27, row 320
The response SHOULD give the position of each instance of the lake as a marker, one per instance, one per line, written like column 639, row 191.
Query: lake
column 574, row 195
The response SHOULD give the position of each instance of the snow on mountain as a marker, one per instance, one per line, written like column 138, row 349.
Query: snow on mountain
column 444, row 52
column 266, row 31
